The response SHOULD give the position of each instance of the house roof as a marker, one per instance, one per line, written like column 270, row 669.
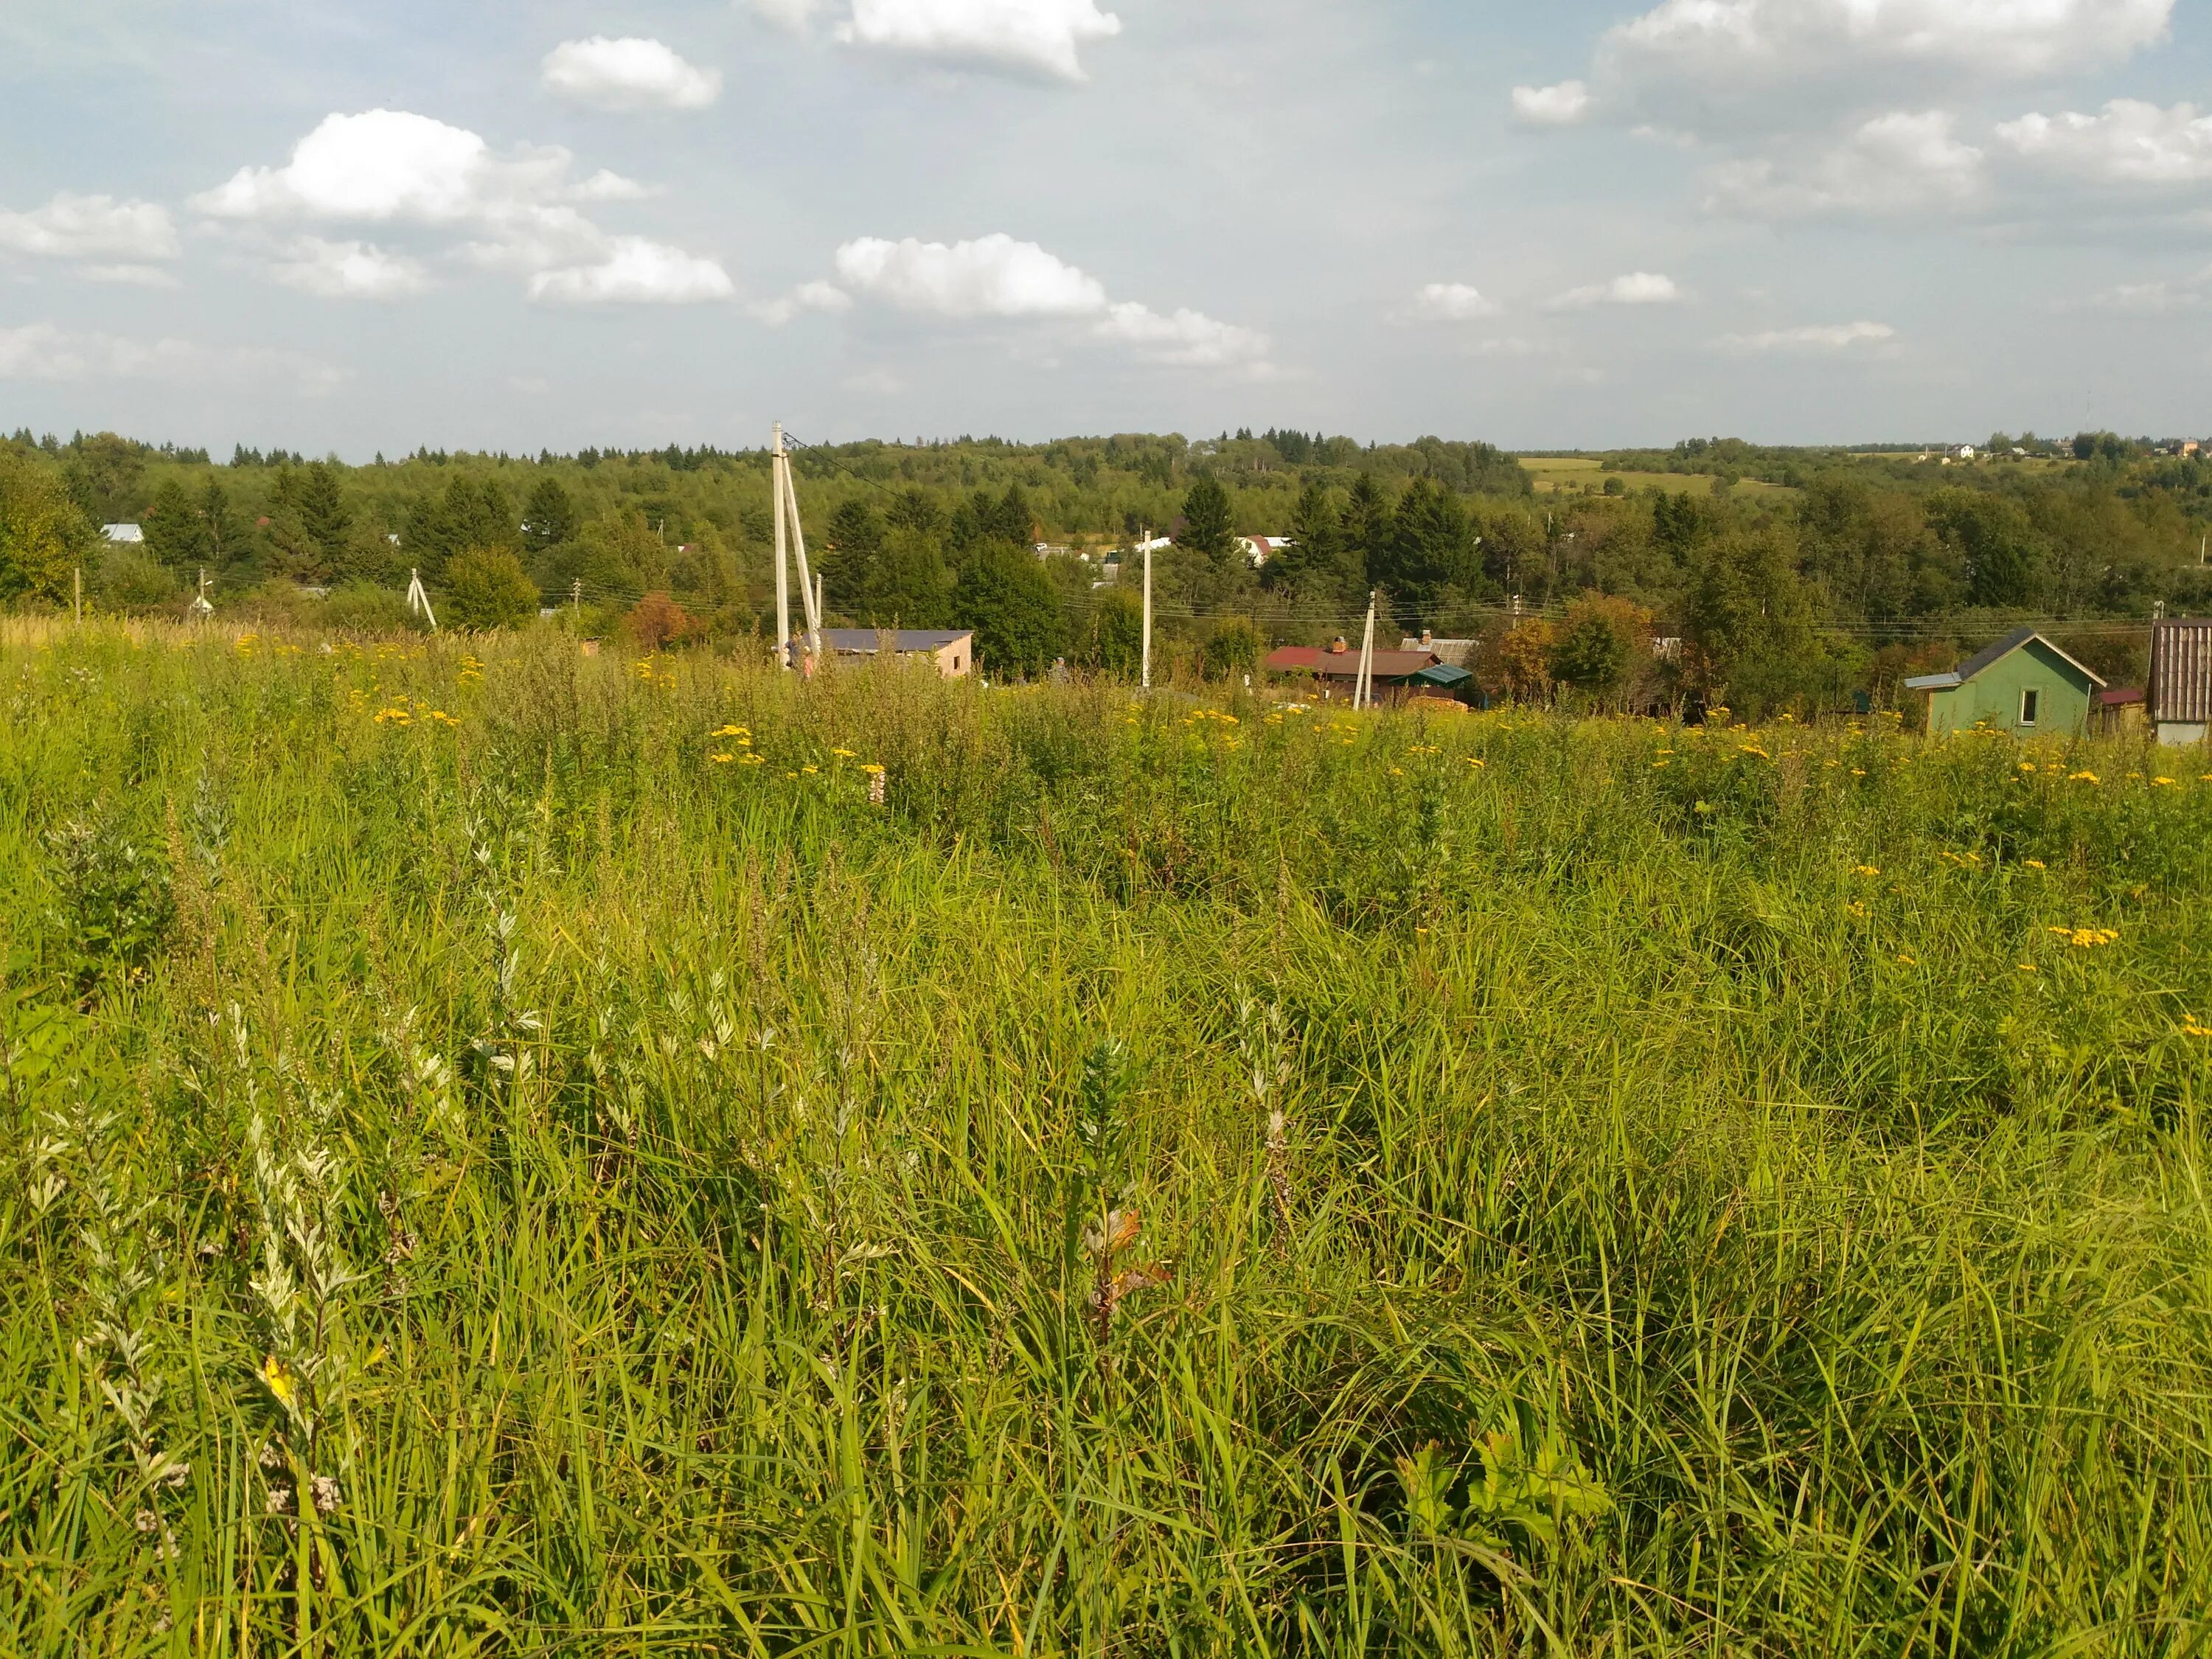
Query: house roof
column 122, row 532
column 2181, row 671
column 1444, row 674
column 863, row 641
column 2120, row 696
column 1345, row 665
column 1993, row 653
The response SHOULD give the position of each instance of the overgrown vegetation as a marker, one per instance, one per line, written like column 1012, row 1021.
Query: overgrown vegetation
column 516, row 1152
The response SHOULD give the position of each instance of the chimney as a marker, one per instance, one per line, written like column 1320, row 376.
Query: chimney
column 1338, row 648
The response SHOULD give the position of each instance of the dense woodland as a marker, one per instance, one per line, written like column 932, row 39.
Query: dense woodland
column 1788, row 576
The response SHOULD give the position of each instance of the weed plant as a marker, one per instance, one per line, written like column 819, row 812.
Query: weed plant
column 520, row 1153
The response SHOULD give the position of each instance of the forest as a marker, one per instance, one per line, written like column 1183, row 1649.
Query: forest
column 1782, row 576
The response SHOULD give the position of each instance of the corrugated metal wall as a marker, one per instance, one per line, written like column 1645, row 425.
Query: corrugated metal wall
column 2181, row 672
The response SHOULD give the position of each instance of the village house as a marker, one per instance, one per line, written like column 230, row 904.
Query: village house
column 950, row 651
column 1397, row 675
column 2180, row 709
column 2023, row 684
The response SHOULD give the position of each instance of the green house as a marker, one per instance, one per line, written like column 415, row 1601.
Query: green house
column 2022, row 683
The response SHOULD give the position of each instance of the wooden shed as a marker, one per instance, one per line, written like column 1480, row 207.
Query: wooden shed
column 2022, row 683
column 2181, row 700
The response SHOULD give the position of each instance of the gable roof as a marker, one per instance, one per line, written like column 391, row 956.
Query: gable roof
column 1345, row 665
column 1995, row 653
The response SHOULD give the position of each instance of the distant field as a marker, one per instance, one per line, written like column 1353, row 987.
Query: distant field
column 1554, row 474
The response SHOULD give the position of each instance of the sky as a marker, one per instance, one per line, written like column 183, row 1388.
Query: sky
column 355, row 228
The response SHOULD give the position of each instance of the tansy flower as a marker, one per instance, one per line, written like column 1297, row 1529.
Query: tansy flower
column 721, row 760
column 810, row 770
column 2026, row 967
column 2161, row 783
column 2190, row 1028
column 2035, row 863
column 752, row 760
column 873, row 769
column 1865, row 870
column 2081, row 777
column 842, row 754
column 1909, row 961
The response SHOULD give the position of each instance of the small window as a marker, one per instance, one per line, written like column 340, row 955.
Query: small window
column 2031, row 705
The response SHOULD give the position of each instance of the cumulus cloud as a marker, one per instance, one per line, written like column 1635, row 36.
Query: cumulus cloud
column 390, row 165
column 1692, row 62
column 1638, row 288
column 43, row 351
column 807, row 296
column 1450, row 302
column 628, row 74
column 349, row 270
column 1812, row 337
column 2127, row 142
column 1551, row 106
column 996, row 277
column 1032, row 39
column 516, row 209
column 1897, row 164
column 635, row 271
column 72, row 226
column 993, row 275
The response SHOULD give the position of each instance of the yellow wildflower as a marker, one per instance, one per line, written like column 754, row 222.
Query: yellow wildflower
column 1909, row 961
column 842, row 754
column 752, row 760
column 1865, row 870
column 2035, row 863
column 2081, row 777
column 721, row 760
column 873, row 769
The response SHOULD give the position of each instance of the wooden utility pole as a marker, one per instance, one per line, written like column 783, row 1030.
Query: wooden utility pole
column 782, row 556
column 576, row 597
column 791, row 540
column 1362, row 688
column 1147, row 677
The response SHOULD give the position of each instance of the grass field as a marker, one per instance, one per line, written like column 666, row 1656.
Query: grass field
column 1554, row 474
column 517, row 1154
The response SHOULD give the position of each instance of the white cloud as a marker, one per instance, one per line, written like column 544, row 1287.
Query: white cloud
column 1895, row 165
column 1638, row 288
column 628, row 74
column 1551, row 106
column 807, row 296
column 1450, row 302
column 993, row 275
column 1183, row 338
column 72, row 226
column 1691, row 61
column 388, row 167
column 1026, row 37
column 1812, row 337
column 349, row 270
column 606, row 186
column 128, row 276
column 42, row 351
column 996, row 277
column 635, row 271
column 2128, row 143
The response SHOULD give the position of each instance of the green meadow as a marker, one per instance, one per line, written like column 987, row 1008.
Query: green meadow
column 512, row 1152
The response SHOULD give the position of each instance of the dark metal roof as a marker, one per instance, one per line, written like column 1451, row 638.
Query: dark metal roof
column 2181, row 672
column 1444, row 674
column 866, row 640
column 2120, row 696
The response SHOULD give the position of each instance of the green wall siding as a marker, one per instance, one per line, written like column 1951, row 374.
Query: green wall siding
column 1994, row 695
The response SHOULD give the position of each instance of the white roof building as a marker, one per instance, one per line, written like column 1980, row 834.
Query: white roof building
column 123, row 534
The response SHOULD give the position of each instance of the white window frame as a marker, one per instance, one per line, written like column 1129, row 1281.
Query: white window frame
column 2031, row 705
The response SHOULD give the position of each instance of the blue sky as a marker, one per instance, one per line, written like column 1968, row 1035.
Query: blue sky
column 354, row 227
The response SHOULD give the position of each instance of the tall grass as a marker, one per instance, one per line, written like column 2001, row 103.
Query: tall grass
column 495, row 1178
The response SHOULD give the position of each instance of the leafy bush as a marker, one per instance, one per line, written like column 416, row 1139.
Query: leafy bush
column 488, row 588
